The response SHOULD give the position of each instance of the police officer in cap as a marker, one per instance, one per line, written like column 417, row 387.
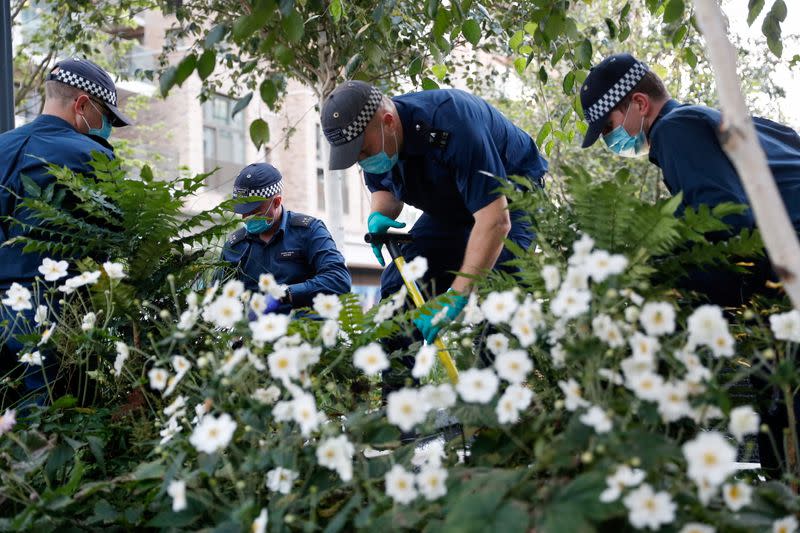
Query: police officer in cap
column 79, row 112
column 296, row 249
column 440, row 151
column 627, row 104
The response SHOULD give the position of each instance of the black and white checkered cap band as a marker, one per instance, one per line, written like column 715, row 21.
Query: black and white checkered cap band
column 354, row 129
column 79, row 82
column 264, row 192
column 617, row 92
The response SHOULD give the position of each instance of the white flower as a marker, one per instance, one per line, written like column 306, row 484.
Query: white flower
column 499, row 306
column 232, row 289
column 307, row 355
column 424, row 361
column 232, row 360
column 400, row 485
column 328, row 332
column 633, row 297
column 187, row 320
column 558, row 355
column 632, row 314
column 304, row 412
column 337, row 454
column 572, row 391
column 787, row 524
column 270, row 327
column 507, row 413
column 177, row 407
column 576, row 279
column 371, row 359
column 610, row 376
column 224, row 312
column 122, row 355
column 432, row 482
column 633, row 366
column 705, row 490
column 327, row 305
column 552, row 277
column 46, row 334
column 647, row 508
column 284, row 364
column 472, row 311
column 605, row 329
column 385, row 312
column 267, row 396
column 177, row 490
column 596, row 418
column 89, row 320
column 158, row 378
column 438, row 396
column 283, row 411
column 8, row 420
column 258, row 303
column 581, row 248
column 53, row 270
column 281, row 480
column 710, row 457
column 786, row 326
column 497, row 343
column 600, row 264
column 33, row 359
column 645, row 385
column 657, row 318
column 705, row 323
column 40, row 317
column 18, row 298
column 405, row 408
column 429, row 454
column 643, row 346
column 570, row 303
column 213, row 433
column 624, row 476
column 478, row 386
column 181, row 364
column 722, row 344
column 737, row 495
column 520, row 395
column 523, row 329
column 513, row 366
column 696, row 527
column 114, row 270
column 415, row 269
column 673, row 402
column 259, row 525
column 704, row 414
column 268, row 285
column 744, row 421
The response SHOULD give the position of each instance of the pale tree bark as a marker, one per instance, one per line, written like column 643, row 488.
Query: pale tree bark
column 739, row 141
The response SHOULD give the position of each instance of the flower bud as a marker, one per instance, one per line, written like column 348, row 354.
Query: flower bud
column 587, row 457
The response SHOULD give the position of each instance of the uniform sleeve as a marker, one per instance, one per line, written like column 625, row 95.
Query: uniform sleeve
column 330, row 273
column 378, row 182
column 692, row 161
column 478, row 164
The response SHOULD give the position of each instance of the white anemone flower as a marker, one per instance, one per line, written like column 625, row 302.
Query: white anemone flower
column 281, row 480
column 32, row 358
column 786, row 326
column 438, row 396
column 53, row 270
column 122, row 355
column 158, row 378
column 213, row 433
column 573, row 395
column 400, row 485
column 705, row 323
column 513, row 366
column 114, row 270
column 327, row 306
column 787, row 524
column 744, row 421
column 423, row 362
column 598, row 419
column 657, row 318
column 269, row 327
column 18, row 298
column 646, row 386
column 710, row 457
column 406, row 408
column 497, row 343
column 622, row 478
column 284, row 364
column 416, row 268
column 89, row 321
column 371, row 359
column 477, row 386
column 697, row 527
column 647, row 508
column 570, row 303
column 337, row 454
column 737, row 495
column 177, row 490
column 224, row 312
column 498, row 307
column 259, row 525
column 552, row 277
column 600, row 265
column 431, row 481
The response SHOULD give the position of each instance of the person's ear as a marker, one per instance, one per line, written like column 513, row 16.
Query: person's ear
column 642, row 103
column 278, row 201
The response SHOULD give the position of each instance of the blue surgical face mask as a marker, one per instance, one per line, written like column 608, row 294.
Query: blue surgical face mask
column 104, row 130
column 623, row 143
column 258, row 224
column 381, row 162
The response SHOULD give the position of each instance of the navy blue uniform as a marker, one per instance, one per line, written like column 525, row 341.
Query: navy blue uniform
column 301, row 254
column 55, row 141
column 454, row 144
column 684, row 144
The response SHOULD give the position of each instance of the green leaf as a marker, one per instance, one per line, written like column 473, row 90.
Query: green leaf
column 525, row 49
column 336, row 10
column 569, row 82
column 520, row 64
column 293, row 26
column 624, row 32
column 516, row 40
column 612, row 28
column 241, row 103
column 167, row 80
column 246, row 25
column 583, row 53
column 151, row 470
column 431, row 8
column 269, row 93
column 352, row 64
column 441, row 23
column 690, row 58
column 778, row 10
column 415, row 67
column 284, row 54
column 754, row 8
column 542, row 74
column 259, row 132
column 185, row 69
column 64, row 402
column 625, row 10
column 472, row 31
column 673, row 10
column 679, row 34
column 440, row 71
column 530, row 28
column 215, row 35
column 206, row 64
column 30, row 186
column 428, row 84
column 772, row 31
column 543, row 133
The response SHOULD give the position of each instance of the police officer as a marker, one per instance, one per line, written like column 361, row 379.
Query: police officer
column 440, row 151
column 296, row 249
column 79, row 112
column 628, row 105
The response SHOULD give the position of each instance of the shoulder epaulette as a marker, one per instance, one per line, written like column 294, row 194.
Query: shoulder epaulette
column 300, row 220
column 236, row 237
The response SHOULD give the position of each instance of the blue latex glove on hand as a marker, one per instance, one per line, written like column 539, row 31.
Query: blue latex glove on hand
column 379, row 223
column 272, row 305
column 443, row 311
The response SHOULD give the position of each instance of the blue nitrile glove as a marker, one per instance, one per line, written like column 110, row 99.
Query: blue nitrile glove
column 452, row 302
column 272, row 306
column 379, row 223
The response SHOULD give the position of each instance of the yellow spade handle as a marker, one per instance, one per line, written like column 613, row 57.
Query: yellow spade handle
column 416, row 296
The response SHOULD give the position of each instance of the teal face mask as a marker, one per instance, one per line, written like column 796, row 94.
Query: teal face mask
column 623, row 143
column 381, row 162
column 256, row 225
column 104, row 130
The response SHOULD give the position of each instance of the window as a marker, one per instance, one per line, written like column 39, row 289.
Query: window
column 223, row 139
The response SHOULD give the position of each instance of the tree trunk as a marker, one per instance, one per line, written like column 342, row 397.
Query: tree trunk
column 739, row 141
